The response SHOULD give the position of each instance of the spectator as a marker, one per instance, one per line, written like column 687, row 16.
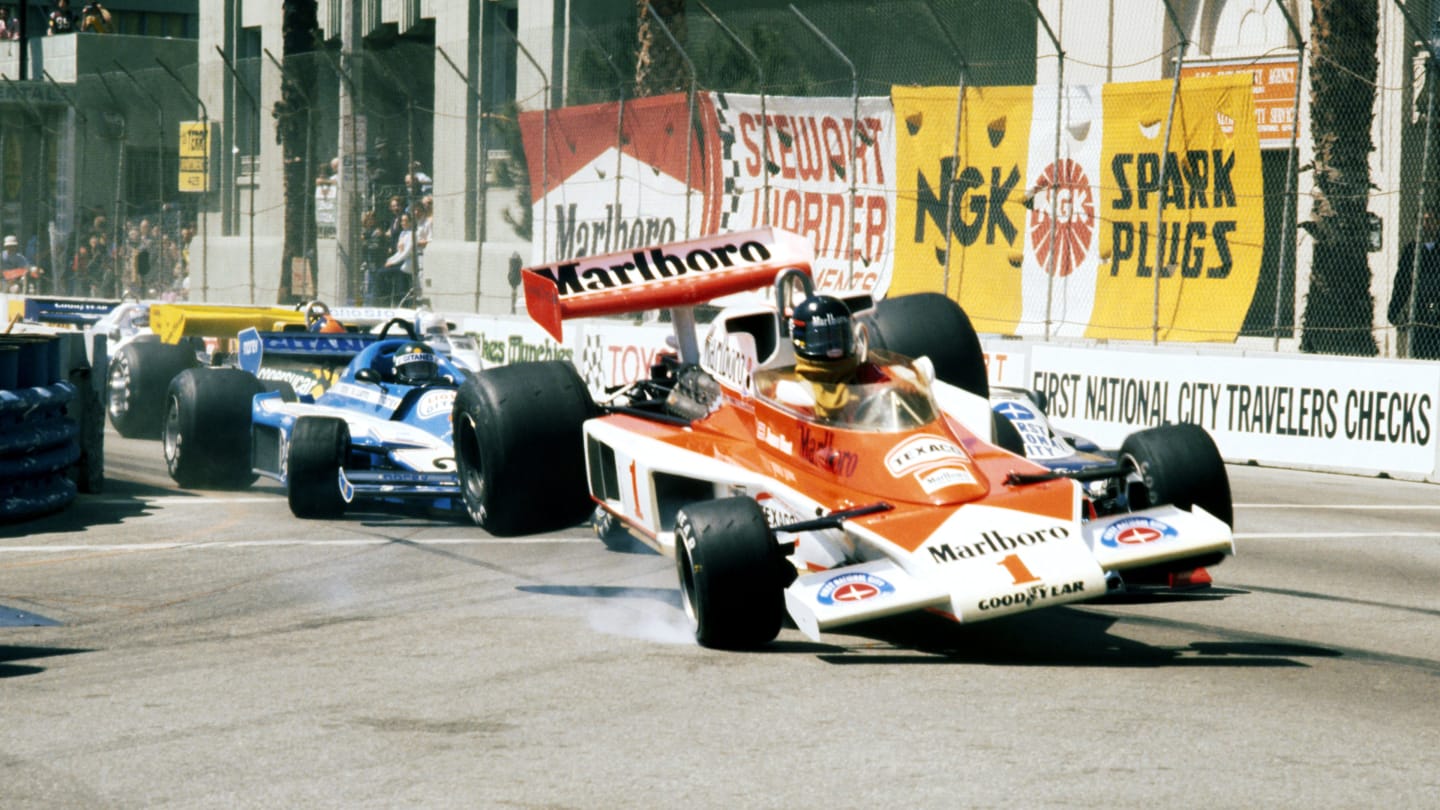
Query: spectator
column 9, row 28
column 95, row 19
column 376, row 246
column 397, row 209
column 421, row 179
column 1424, row 329
column 78, row 282
column 402, row 261
column 422, row 228
column 14, row 264
column 62, row 19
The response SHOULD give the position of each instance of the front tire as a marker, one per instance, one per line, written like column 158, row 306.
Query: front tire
column 318, row 447
column 519, row 447
column 1178, row 465
column 207, row 428
column 731, row 573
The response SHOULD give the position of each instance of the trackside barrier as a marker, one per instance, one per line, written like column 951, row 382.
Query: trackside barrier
column 51, row 424
column 1353, row 415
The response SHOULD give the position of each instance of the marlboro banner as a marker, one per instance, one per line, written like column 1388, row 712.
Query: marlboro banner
column 1031, row 238
column 788, row 162
column 608, row 177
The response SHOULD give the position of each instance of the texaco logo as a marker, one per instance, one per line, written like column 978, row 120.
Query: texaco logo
column 1067, row 193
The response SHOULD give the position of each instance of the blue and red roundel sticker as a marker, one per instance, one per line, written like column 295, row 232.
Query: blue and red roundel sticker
column 1136, row 531
column 853, row 587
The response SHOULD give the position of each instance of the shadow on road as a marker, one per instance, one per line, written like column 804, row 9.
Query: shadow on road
column 1058, row 637
column 10, row 654
column 121, row 501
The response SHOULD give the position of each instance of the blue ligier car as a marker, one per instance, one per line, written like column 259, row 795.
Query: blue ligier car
column 374, row 428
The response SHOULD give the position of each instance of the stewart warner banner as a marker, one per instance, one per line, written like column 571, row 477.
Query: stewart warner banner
column 901, row 202
column 989, row 211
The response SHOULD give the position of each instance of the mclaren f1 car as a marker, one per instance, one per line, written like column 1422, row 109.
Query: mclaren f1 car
column 776, row 497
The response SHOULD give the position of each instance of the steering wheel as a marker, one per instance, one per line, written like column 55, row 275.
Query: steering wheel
column 406, row 326
column 314, row 311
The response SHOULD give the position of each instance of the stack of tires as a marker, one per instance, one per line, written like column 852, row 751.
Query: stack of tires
column 51, row 425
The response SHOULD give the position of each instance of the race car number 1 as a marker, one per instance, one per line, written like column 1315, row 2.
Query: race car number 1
column 1018, row 572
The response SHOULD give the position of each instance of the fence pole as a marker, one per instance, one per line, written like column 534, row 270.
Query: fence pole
column 954, row 150
column 854, row 130
column 1055, row 181
column 1424, row 171
column 118, row 225
column 204, row 220
column 1290, row 186
column 159, row 141
column 764, row 118
column 43, row 131
column 480, row 171
column 79, row 175
column 689, row 110
column 307, row 171
column 254, row 160
column 544, row 136
column 344, row 241
column 1181, row 47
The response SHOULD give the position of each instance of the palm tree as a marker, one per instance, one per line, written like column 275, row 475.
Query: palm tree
column 1339, row 310
column 658, row 66
column 292, row 120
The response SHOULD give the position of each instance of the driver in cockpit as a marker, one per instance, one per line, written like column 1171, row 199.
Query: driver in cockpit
column 826, row 355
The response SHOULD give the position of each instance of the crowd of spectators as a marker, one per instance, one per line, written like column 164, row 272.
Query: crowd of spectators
column 93, row 18
column 151, row 260
column 394, row 238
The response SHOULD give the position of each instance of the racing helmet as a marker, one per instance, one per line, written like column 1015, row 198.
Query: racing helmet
column 327, row 324
column 414, row 364
column 822, row 329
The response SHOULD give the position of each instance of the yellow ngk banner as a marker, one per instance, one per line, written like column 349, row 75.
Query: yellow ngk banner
column 1052, row 229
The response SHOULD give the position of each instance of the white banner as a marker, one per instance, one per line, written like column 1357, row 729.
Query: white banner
column 1361, row 415
column 795, row 162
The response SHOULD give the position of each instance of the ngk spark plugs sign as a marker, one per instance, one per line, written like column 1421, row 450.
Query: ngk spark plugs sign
column 1371, row 415
column 609, row 177
column 1032, row 237
column 795, row 164
column 1212, row 229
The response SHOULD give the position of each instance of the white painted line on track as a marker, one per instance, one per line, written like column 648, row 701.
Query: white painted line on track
column 187, row 500
column 1374, row 507
column 287, row 542
column 1331, row 535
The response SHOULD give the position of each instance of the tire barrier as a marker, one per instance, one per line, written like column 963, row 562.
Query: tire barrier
column 51, row 424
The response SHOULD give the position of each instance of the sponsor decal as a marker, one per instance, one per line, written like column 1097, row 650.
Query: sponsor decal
column 922, row 451
column 307, row 343
column 435, row 402
column 776, row 512
column 303, row 384
column 944, row 477
column 727, row 362
column 818, row 447
column 656, row 264
column 995, row 542
column 1136, row 531
column 370, row 396
column 1031, row 595
column 769, row 435
column 853, row 587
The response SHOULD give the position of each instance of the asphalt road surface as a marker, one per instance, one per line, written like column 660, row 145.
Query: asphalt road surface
column 212, row 651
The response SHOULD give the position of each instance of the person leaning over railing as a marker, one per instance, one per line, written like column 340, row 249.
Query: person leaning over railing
column 1424, row 330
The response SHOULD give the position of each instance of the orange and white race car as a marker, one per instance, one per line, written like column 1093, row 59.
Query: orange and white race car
column 774, row 495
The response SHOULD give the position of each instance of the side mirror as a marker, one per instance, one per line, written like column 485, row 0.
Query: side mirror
column 367, row 375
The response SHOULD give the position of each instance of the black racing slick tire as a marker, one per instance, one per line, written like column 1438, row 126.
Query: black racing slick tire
column 519, row 447
column 1180, row 465
column 1007, row 436
column 318, row 447
column 731, row 573
column 207, row 428
column 931, row 325
column 136, row 381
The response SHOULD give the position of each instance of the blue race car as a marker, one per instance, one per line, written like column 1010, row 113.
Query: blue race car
column 377, row 430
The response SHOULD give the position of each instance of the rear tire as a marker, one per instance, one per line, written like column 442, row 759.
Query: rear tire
column 731, row 573
column 318, row 447
column 136, row 381
column 931, row 325
column 207, row 428
column 519, row 447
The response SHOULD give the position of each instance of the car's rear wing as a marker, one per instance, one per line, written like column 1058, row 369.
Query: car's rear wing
column 79, row 312
column 679, row 274
column 175, row 321
column 259, row 348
